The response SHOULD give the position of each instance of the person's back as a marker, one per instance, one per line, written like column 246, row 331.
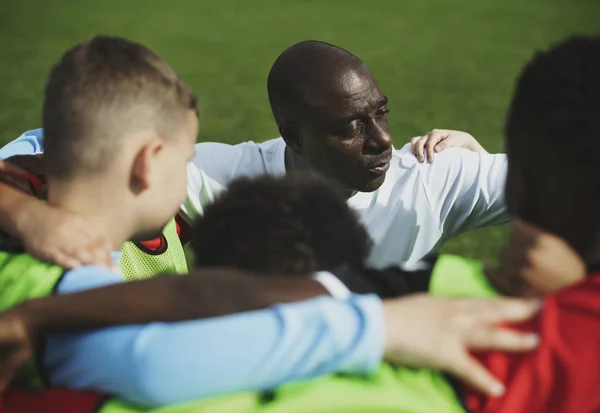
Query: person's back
column 137, row 259
column 556, row 96
column 106, row 95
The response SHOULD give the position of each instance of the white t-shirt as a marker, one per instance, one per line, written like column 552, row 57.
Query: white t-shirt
column 418, row 207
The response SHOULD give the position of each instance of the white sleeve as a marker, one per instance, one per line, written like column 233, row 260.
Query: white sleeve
column 213, row 166
column 465, row 190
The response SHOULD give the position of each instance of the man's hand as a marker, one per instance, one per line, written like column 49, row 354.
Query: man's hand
column 16, row 345
column 535, row 263
column 433, row 332
column 439, row 139
column 61, row 237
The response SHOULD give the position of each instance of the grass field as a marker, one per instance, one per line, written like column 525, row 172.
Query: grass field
column 442, row 63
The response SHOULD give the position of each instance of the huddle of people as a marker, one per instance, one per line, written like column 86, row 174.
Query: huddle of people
column 317, row 283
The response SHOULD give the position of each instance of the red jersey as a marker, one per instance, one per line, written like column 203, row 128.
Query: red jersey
column 563, row 374
column 16, row 400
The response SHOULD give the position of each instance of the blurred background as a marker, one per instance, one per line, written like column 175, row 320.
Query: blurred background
column 442, row 63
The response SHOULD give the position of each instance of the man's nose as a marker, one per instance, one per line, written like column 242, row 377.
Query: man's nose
column 378, row 138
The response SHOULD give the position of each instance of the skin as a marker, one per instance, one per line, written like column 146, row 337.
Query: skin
column 337, row 124
column 146, row 181
column 228, row 291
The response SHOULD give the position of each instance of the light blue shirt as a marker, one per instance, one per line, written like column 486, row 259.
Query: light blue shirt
column 29, row 143
column 166, row 363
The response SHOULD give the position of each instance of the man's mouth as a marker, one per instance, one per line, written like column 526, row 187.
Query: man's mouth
column 381, row 167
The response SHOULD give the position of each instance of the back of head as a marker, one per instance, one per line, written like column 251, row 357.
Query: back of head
column 553, row 143
column 99, row 92
column 280, row 225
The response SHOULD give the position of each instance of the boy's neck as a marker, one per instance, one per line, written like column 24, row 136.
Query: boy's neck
column 100, row 207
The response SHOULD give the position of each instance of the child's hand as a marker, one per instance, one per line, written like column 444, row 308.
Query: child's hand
column 439, row 139
column 58, row 236
column 535, row 263
column 438, row 333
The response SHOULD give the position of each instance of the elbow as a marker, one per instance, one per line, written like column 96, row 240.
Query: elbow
column 149, row 386
column 159, row 382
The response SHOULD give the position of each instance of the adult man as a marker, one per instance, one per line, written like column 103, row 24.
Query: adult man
column 557, row 94
column 332, row 117
column 138, row 122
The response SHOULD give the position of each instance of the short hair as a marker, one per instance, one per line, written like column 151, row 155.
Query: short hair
column 294, row 224
column 309, row 64
column 553, row 141
column 98, row 92
column 556, row 103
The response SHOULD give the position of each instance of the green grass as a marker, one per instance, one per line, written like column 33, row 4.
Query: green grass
column 443, row 63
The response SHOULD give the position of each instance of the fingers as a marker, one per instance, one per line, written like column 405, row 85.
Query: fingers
column 440, row 146
column 431, row 142
column 500, row 339
column 417, row 146
column 100, row 251
column 473, row 373
column 495, row 311
column 95, row 252
column 525, row 227
column 64, row 260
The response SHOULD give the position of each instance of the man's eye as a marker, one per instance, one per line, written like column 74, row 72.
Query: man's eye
column 382, row 113
column 351, row 129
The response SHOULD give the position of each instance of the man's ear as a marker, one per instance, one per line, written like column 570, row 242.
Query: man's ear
column 144, row 165
column 292, row 137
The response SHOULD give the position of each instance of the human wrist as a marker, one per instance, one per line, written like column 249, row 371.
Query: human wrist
column 31, row 316
column 16, row 209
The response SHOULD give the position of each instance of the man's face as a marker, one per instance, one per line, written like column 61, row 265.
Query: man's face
column 169, row 178
column 346, row 134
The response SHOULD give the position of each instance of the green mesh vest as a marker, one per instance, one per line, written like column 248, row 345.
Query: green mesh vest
column 23, row 277
column 138, row 262
column 389, row 390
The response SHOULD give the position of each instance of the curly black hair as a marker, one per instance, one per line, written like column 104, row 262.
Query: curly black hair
column 553, row 143
column 557, row 100
column 294, row 224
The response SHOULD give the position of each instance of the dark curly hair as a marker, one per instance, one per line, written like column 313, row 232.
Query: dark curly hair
column 293, row 224
column 553, row 143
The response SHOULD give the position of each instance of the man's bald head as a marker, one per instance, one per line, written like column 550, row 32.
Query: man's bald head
column 305, row 72
column 332, row 114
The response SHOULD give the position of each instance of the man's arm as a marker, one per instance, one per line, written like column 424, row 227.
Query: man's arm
column 466, row 190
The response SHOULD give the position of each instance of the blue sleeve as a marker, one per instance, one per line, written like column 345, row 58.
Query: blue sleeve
column 29, row 143
column 166, row 363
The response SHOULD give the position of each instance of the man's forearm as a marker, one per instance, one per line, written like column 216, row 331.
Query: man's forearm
column 204, row 293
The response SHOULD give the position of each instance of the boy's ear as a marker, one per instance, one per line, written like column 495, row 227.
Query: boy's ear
column 144, row 165
column 291, row 136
